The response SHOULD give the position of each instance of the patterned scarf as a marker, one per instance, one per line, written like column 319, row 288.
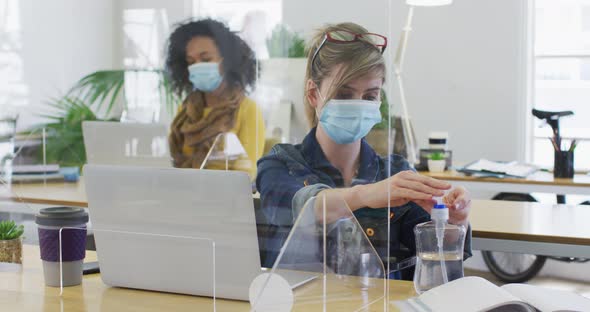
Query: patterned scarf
column 190, row 128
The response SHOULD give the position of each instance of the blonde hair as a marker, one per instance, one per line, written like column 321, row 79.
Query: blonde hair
column 356, row 59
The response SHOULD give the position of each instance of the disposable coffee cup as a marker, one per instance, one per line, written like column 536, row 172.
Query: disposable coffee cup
column 72, row 222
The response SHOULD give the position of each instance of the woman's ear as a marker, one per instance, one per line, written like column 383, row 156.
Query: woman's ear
column 312, row 94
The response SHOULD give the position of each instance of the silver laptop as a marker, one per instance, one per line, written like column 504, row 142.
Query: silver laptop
column 176, row 230
column 133, row 144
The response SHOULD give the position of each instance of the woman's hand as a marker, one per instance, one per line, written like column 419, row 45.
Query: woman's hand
column 458, row 200
column 403, row 187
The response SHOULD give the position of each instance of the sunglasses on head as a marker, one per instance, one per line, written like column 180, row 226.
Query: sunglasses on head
column 344, row 36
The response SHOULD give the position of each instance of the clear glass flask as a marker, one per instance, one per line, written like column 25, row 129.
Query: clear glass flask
column 439, row 251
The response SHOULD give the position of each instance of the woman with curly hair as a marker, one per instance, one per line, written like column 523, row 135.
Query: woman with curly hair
column 212, row 68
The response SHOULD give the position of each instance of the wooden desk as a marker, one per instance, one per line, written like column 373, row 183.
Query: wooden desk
column 26, row 291
column 534, row 228
column 50, row 193
column 74, row 194
column 545, row 229
column 541, row 182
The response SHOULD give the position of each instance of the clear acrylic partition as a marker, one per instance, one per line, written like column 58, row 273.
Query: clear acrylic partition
column 328, row 252
column 280, row 34
column 145, row 262
column 40, row 160
column 185, row 211
column 7, row 135
column 126, row 143
column 228, row 153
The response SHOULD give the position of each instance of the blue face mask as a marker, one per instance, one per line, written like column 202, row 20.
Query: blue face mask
column 205, row 76
column 346, row 121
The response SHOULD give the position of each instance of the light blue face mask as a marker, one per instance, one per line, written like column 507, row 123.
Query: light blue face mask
column 346, row 121
column 205, row 76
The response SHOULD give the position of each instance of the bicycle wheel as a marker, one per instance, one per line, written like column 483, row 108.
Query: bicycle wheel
column 513, row 267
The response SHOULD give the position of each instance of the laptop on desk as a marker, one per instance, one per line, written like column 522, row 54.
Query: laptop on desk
column 133, row 144
column 175, row 230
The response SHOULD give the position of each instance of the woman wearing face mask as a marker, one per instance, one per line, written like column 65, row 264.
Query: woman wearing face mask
column 212, row 68
column 344, row 77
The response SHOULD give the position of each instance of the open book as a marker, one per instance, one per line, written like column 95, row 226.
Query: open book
column 472, row 293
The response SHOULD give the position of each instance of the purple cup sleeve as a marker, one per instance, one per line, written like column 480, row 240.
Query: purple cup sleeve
column 73, row 243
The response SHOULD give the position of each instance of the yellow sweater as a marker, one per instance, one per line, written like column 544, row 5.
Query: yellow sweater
column 250, row 130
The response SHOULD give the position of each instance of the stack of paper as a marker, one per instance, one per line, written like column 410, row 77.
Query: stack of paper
column 501, row 168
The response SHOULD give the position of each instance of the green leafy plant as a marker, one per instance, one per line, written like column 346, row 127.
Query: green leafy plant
column 285, row 43
column 99, row 88
column 437, row 156
column 384, row 109
column 96, row 92
column 297, row 48
column 65, row 144
column 9, row 230
column 102, row 89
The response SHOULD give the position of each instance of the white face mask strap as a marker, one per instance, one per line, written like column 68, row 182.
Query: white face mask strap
column 323, row 101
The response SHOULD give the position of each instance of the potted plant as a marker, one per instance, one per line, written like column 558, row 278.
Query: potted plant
column 11, row 245
column 97, row 92
column 280, row 83
column 378, row 137
column 284, row 43
column 436, row 162
column 65, row 145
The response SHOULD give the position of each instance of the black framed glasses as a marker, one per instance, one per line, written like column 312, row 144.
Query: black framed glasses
column 344, row 36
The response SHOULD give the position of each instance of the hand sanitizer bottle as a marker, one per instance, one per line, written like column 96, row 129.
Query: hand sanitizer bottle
column 439, row 250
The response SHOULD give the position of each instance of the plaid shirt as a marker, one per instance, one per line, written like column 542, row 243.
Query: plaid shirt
column 291, row 174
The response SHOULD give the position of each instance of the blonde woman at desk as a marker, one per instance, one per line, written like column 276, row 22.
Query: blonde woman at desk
column 213, row 68
column 344, row 77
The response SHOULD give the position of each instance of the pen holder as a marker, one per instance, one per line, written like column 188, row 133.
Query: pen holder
column 563, row 165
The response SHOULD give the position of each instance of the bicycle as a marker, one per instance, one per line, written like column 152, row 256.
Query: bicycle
column 519, row 268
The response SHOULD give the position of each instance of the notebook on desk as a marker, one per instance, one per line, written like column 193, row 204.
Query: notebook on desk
column 498, row 169
column 33, row 169
column 176, row 230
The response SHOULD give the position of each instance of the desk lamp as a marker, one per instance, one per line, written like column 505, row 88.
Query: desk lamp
column 398, row 65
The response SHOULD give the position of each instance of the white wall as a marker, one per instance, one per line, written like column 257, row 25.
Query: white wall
column 63, row 40
column 464, row 70
column 176, row 11
column 464, row 67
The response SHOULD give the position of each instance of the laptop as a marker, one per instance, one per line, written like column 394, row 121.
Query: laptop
column 176, row 230
column 133, row 144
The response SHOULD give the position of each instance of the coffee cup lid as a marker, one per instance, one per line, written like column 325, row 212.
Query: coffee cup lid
column 61, row 216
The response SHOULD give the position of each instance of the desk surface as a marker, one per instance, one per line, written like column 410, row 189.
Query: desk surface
column 533, row 222
column 73, row 194
column 50, row 193
column 537, row 178
column 537, row 222
column 25, row 290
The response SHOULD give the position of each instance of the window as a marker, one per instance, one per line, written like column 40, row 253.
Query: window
column 562, row 75
column 235, row 12
column 253, row 19
column 145, row 32
column 13, row 90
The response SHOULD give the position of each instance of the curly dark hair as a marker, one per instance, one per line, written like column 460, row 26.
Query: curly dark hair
column 239, row 62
